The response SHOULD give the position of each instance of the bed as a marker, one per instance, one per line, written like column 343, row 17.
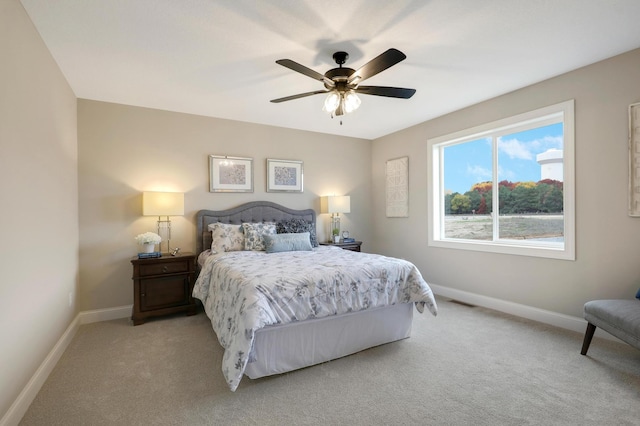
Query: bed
column 294, row 304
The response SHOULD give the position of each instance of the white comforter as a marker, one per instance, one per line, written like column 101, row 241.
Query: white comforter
column 244, row 291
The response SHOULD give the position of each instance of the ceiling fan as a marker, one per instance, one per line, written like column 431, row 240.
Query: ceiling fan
column 343, row 84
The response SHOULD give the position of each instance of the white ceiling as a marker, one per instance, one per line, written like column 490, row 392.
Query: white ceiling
column 217, row 57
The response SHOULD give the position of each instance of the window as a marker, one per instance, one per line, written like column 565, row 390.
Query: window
column 507, row 186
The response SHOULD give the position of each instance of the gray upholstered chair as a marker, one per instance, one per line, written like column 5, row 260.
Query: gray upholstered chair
column 619, row 317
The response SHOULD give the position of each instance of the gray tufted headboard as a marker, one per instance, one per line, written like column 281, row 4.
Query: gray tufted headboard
column 254, row 212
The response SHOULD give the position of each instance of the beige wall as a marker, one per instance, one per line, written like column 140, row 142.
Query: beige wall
column 607, row 245
column 126, row 150
column 39, row 187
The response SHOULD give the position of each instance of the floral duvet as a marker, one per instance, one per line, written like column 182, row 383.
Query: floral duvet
column 244, row 291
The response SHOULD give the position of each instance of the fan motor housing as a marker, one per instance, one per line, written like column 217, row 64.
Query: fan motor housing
column 338, row 75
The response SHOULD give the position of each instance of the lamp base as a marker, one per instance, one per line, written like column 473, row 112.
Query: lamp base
column 335, row 228
column 164, row 230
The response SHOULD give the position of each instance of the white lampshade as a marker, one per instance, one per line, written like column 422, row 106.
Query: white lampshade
column 331, row 102
column 162, row 204
column 335, row 204
column 351, row 101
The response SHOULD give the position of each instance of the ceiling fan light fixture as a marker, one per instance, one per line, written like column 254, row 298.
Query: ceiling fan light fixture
column 351, row 101
column 332, row 102
column 339, row 102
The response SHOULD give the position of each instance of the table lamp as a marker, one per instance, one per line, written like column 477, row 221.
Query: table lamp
column 335, row 205
column 163, row 204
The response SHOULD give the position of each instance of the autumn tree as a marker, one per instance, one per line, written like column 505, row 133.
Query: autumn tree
column 482, row 187
column 460, row 204
column 482, row 208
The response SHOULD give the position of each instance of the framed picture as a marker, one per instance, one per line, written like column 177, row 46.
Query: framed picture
column 397, row 187
column 230, row 174
column 284, row 175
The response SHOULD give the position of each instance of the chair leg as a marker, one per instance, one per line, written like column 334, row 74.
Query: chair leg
column 588, row 335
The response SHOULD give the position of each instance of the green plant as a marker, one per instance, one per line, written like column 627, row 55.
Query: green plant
column 335, row 231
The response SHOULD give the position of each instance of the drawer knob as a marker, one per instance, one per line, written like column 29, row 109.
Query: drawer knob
column 165, row 269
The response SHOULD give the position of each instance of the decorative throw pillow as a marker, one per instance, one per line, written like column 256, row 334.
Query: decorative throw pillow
column 226, row 237
column 297, row 225
column 277, row 243
column 253, row 234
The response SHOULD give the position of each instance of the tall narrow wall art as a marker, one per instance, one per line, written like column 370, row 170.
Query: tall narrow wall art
column 397, row 187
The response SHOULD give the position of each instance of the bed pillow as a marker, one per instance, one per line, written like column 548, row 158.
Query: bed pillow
column 297, row 225
column 277, row 243
column 254, row 232
column 226, row 237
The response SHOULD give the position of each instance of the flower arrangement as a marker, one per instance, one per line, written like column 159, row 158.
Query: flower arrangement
column 148, row 238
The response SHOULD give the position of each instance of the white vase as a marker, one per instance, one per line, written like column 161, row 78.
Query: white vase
column 148, row 248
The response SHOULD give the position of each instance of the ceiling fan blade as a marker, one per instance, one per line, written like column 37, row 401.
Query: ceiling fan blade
column 376, row 65
column 288, row 63
column 298, row 96
column 390, row 92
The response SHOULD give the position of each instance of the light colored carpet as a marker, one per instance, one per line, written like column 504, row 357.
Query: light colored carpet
column 468, row 366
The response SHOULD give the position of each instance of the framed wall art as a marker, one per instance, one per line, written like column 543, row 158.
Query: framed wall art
column 230, row 174
column 284, row 175
column 397, row 187
column 634, row 160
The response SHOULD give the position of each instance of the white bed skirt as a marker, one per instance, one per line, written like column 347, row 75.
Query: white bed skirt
column 288, row 347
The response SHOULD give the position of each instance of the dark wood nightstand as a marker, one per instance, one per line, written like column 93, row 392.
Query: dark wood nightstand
column 354, row 246
column 162, row 286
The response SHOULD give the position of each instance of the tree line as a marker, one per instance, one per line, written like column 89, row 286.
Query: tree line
column 545, row 196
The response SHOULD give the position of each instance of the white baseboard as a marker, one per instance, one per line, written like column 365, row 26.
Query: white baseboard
column 567, row 322
column 97, row 315
column 28, row 394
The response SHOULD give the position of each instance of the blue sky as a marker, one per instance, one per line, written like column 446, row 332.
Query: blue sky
column 469, row 163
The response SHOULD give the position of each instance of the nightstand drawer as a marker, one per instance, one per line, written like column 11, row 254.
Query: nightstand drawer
column 164, row 268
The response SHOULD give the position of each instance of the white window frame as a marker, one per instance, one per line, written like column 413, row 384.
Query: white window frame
column 532, row 119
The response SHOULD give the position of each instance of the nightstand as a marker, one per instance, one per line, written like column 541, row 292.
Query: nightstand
column 162, row 286
column 354, row 246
